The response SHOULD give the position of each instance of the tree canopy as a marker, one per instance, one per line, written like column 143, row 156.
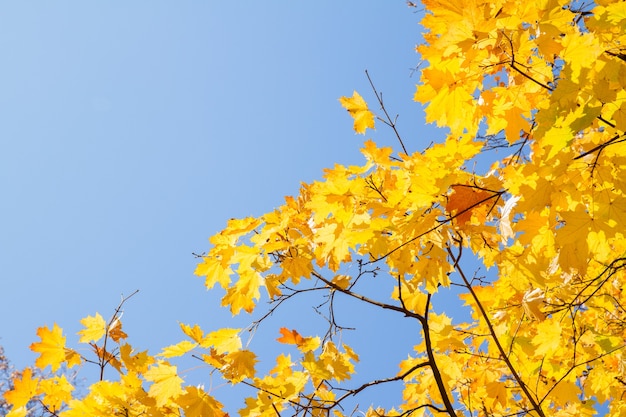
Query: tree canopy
column 528, row 184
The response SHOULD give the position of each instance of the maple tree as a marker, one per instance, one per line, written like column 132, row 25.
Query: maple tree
column 534, row 91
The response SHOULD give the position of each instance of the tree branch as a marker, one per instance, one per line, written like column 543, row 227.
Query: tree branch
column 361, row 297
column 529, row 396
column 388, row 122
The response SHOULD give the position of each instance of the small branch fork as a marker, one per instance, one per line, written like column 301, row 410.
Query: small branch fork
column 387, row 120
column 105, row 357
column 423, row 320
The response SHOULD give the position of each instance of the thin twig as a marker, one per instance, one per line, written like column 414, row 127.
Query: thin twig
column 389, row 122
column 103, row 360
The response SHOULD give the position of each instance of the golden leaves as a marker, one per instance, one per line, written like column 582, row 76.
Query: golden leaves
column 357, row 107
column 533, row 303
column 166, row 384
column 24, row 388
column 95, row 328
column 197, row 403
column 52, row 349
column 535, row 91
column 331, row 363
column 580, row 51
column 57, row 392
column 239, row 366
column 223, row 340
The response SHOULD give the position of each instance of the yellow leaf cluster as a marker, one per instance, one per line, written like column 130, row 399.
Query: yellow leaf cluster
column 537, row 90
column 146, row 385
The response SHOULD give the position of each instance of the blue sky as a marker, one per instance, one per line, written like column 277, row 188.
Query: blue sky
column 131, row 131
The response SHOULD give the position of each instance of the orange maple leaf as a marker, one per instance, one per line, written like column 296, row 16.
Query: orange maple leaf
column 465, row 200
column 290, row 337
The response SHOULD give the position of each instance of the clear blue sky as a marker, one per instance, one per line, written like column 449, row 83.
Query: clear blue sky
column 131, row 131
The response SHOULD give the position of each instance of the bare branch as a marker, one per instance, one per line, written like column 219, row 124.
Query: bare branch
column 388, row 121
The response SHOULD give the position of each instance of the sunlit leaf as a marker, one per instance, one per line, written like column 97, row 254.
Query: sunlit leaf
column 357, row 107
column 95, row 328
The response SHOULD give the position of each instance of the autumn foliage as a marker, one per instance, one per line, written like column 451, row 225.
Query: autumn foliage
column 532, row 91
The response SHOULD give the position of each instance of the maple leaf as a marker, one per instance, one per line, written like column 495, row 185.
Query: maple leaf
column 466, row 200
column 107, row 357
column 138, row 362
column 342, row 281
column 223, row 340
column 239, row 366
column 542, row 84
column 290, row 336
column 215, row 359
column 178, row 349
column 357, row 107
column 195, row 332
column 548, row 337
column 58, row 391
column 197, row 403
column 331, row 364
column 95, row 328
column 115, row 331
column 305, row 344
column 241, row 296
column 25, row 387
column 52, row 349
column 166, row 384
column 506, row 231
column 533, row 301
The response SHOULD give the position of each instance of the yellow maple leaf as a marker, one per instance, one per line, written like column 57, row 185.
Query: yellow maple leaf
column 331, row 364
column 342, row 281
column 548, row 337
column 581, row 51
column 223, row 340
column 197, row 403
column 57, row 391
column 178, row 349
column 239, row 366
column 138, row 362
column 166, row 384
column 24, row 389
column 564, row 392
column 243, row 294
column 95, row 328
column 214, row 359
column 195, row 332
column 497, row 393
column 52, row 349
column 357, row 107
